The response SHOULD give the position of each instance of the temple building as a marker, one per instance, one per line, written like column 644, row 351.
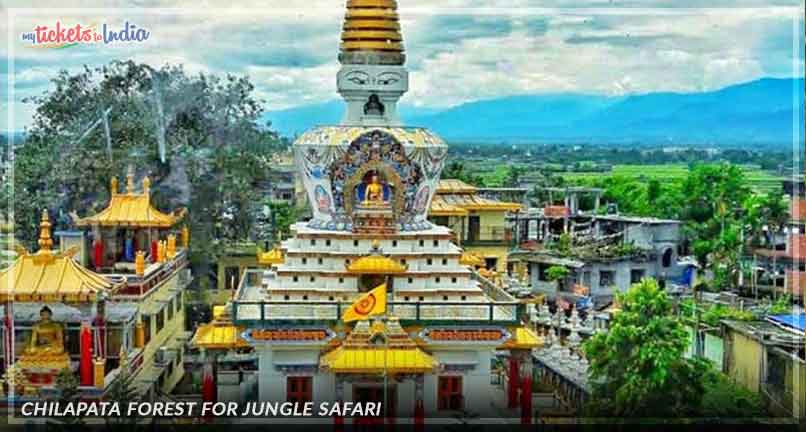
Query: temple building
column 125, row 315
column 371, row 182
column 478, row 222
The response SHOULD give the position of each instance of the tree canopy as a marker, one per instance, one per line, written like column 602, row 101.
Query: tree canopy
column 637, row 367
column 216, row 154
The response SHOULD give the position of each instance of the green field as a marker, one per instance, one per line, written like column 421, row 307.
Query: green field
column 760, row 180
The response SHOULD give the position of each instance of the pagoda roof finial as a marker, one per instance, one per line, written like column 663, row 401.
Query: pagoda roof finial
column 45, row 241
column 130, row 180
column 371, row 33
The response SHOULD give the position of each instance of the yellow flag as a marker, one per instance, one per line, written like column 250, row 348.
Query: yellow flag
column 371, row 303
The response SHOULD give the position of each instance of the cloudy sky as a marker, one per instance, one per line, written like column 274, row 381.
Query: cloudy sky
column 458, row 50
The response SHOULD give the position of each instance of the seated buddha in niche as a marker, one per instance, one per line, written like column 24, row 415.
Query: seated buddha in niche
column 47, row 337
column 376, row 193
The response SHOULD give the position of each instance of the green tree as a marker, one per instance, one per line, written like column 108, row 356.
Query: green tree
column 67, row 385
column 283, row 215
column 457, row 170
column 216, row 151
column 637, row 367
column 712, row 209
column 725, row 399
column 123, row 392
column 557, row 273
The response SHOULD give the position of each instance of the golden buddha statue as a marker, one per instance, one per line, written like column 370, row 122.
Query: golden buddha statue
column 373, row 194
column 47, row 338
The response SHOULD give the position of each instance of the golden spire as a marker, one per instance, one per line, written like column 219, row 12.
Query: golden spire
column 371, row 26
column 146, row 185
column 113, row 185
column 130, row 180
column 45, row 242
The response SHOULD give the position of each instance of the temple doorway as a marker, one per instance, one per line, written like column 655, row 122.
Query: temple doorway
column 374, row 393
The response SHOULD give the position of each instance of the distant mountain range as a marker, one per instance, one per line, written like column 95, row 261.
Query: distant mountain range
column 756, row 112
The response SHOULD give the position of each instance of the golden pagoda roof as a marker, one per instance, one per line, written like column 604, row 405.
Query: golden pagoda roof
column 454, row 186
column 376, row 264
column 272, row 257
column 522, row 338
column 440, row 208
column 467, row 201
column 48, row 276
column 372, row 25
column 471, row 259
column 219, row 335
column 131, row 209
column 365, row 351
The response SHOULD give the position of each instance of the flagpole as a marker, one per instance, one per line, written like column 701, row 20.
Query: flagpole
column 385, row 357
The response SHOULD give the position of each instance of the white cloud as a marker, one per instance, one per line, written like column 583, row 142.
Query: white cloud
column 458, row 50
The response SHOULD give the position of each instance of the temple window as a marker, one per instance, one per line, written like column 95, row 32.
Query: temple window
column 160, row 320
column 327, row 242
column 403, row 261
column 286, row 298
column 304, row 261
column 355, row 243
column 312, row 279
column 437, row 280
column 295, row 278
column 445, row 298
column 305, row 297
column 313, row 242
column 429, row 261
column 394, row 243
column 422, row 298
column 436, row 243
column 147, row 327
column 319, row 261
column 444, row 261
column 449, row 393
column 341, row 280
column 346, row 262
column 406, row 298
column 453, row 280
column 299, row 389
column 411, row 280
column 422, row 243
column 331, row 298
column 464, row 298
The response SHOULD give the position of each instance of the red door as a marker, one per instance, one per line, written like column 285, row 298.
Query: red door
column 374, row 393
column 450, row 393
column 298, row 389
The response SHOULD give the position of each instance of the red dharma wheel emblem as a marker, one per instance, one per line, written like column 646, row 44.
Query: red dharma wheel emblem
column 366, row 304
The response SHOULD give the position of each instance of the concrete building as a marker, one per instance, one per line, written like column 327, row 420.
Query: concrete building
column 611, row 253
column 479, row 223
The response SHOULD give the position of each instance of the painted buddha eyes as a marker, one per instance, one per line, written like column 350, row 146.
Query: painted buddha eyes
column 358, row 78
column 387, row 78
column 384, row 79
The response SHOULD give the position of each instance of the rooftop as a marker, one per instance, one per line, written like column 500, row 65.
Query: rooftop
column 131, row 209
column 49, row 276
